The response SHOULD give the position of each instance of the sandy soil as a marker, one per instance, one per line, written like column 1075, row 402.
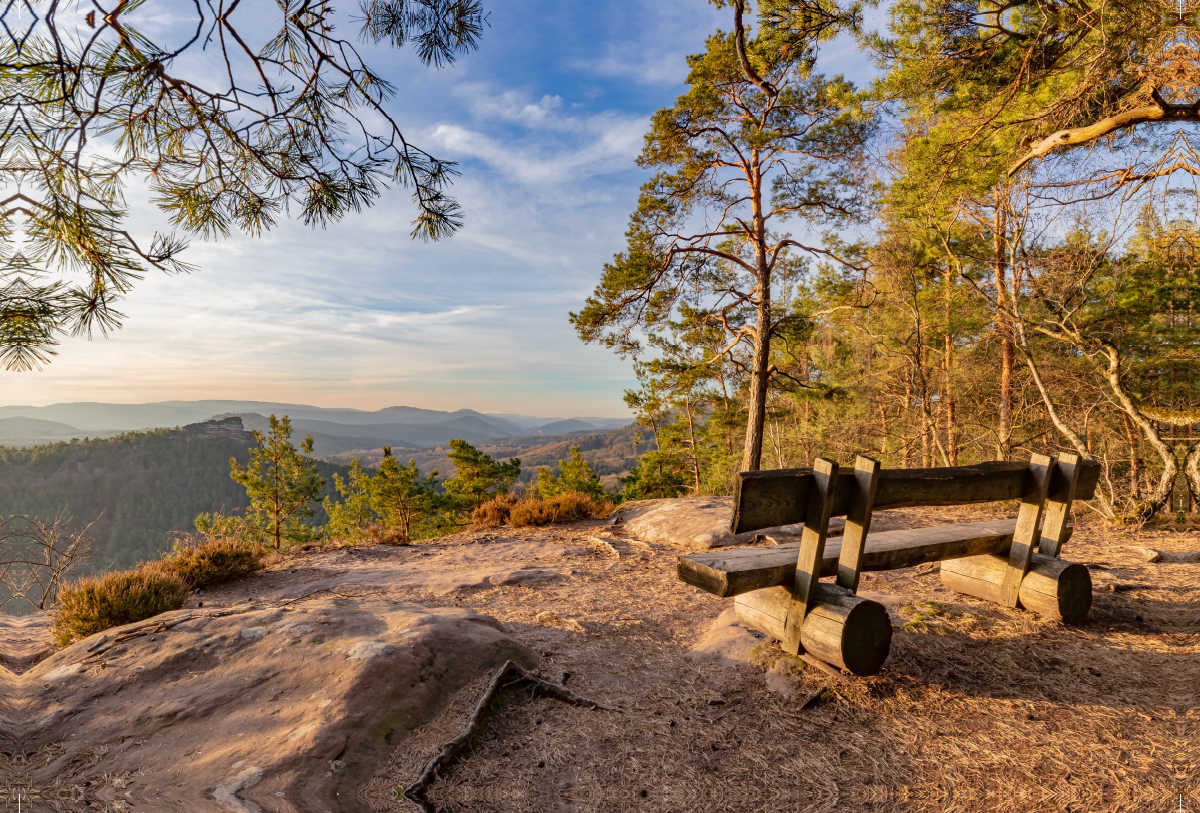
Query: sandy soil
column 978, row 707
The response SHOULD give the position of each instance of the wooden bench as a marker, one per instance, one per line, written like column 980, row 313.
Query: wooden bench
column 1013, row 562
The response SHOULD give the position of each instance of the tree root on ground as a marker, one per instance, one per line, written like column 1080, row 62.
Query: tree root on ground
column 450, row 752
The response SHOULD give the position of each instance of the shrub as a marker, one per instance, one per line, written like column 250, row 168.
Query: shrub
column 95, row 603
column 394, row 536
column 567, row 507
column 379, row 534
column 494, row 512
column 204, row 562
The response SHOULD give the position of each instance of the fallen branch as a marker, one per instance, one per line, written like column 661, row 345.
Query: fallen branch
column 824, row 667
column 604, row 544
column 1122, row 587
column 449, row 752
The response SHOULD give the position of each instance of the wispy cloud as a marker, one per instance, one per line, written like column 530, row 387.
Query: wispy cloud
column 636, row 62
column 553, row 145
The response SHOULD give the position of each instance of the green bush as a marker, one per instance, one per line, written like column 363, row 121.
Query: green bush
column 567, row 507
column 96, row 603
column 207, row 561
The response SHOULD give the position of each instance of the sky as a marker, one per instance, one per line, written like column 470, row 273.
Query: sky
column 546, row 120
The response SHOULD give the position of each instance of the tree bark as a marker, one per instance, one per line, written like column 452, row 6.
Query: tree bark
column 906, row 463
column 1004, row 330
column 883, row 426
column 1135, row 489
column 752, row 455
column 1161, row 493
column 947, row 370
column 1192, row 467
column 692, row 440
column 760, row 370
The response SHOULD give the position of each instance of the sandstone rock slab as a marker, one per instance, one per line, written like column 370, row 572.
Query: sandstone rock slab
column 726, row 642
column 201, row 716
column 695, row 523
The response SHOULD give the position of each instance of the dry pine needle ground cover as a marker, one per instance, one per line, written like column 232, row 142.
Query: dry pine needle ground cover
column 979, row 708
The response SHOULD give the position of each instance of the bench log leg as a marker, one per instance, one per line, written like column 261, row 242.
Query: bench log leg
column 1052, row 587
column 842, row 629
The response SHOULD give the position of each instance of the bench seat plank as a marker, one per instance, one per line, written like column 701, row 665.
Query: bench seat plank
column 736, row 571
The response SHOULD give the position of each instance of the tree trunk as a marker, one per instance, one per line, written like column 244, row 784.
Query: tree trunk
column 757, row 406
column 1135, row 490
column 1004, row 330
column 947, row 370
column 1161, row 493
column 692, row 439
column 1193, row 472
column 760, row 369
column 906, row 463
column 883, row 427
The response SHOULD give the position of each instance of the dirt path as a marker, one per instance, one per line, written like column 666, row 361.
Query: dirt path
column 978, row 708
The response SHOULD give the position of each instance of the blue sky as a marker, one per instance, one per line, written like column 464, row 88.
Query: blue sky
column 546, row 120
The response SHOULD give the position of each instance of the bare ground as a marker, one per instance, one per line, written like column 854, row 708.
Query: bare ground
column 978, row 707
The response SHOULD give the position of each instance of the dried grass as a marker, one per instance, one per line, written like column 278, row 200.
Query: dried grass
column 199, row 561
column 570, row 507
column 204, row 561
column 95, row 603
column 494, row 512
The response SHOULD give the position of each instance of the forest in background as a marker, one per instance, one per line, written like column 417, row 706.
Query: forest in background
column 137, row 487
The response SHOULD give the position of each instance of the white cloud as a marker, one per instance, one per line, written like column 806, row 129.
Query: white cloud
column 644, row 65
column 614, row 145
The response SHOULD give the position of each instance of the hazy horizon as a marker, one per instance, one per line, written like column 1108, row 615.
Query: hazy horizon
column 621, row 413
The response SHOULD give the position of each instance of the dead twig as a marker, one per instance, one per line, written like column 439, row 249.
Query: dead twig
column 824, row 667
column 449, row 753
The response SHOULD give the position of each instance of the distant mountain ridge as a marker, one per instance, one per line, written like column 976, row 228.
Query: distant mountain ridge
column 334, row 430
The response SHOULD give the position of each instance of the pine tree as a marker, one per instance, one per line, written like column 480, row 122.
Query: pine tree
column 758, row 139
column 477, row 477
column 350, row 517
column 401, row 496
column 281, row 483
column 574, row 475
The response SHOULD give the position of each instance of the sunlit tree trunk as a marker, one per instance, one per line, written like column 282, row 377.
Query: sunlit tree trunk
column 760, row 370
column 1134, row 462
column 947, row 371
column 1004, row 331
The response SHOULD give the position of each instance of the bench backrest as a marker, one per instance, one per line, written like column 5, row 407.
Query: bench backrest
column 767, row 499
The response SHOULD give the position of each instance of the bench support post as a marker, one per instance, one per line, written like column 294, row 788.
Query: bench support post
column 858, row 522
column 1058, row 505
column 1029, row 520
column 812, row 551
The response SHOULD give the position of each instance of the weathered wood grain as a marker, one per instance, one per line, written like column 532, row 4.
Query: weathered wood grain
column 1026, row 537
column 812, row 551
column 1053, row 587
column 858, row 522
column 736, row 571
column 842, row 629
column 1055, row 530
column 766, row 499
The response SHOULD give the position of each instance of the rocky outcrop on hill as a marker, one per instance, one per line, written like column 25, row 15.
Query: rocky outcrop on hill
column 221, row 428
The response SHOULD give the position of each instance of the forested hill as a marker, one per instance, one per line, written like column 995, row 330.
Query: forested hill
column 141, row 485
